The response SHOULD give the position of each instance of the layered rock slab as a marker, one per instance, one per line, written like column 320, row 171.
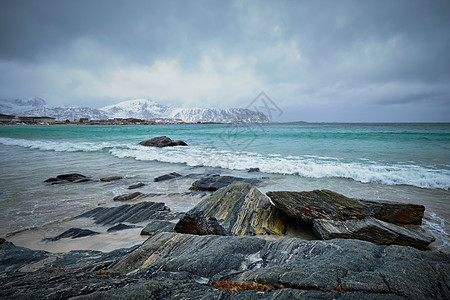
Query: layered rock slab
column 241, row 209
column 372, row 230
column 215, row 182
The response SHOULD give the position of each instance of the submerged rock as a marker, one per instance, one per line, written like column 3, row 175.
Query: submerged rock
column 72, row 233
column 129, row 197
column 162, row 141
column 111, row 178
column 65, row 178
column 120, row 227
column 136, row 213
column 324, row 204
column 241, row 210
column 251, row 170
column 167, row 176
column 136, row 186
column 198, row 224
column 372, row 230
column 215, row 182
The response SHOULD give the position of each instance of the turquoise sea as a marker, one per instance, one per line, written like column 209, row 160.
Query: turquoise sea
column 401, row 162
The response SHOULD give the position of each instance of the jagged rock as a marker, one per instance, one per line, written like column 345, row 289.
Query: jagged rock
column 242, row 210
column 215, row 182
column 251, row 170
column 120, row 227
column 167, row 176
column 162, row 141
column 136, row 186
column 65, row 178
column 129, row 197
column 198, row 224
column 111, row 178
column 72, row 233
column 155, row 226
column 325, row 204
column 372, row 230
column 136, row 213
column 344, row 269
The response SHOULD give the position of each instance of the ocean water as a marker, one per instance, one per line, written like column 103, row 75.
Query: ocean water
column 401, row 162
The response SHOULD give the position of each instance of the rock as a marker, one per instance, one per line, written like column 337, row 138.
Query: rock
column 162, row 141
column 73, row 233
column 120, row 227
column 294, row 268
column 65, row 178
column 137, row 213
column 396, row 212
column 157, row 226
column 136, row 186
column 372, row 230
column 111, row 178
column 251, row 170
column 241, row 210
column 215, row 182
column 167, row 176
column 324, row 204
column 129, row 197
column 199, row 225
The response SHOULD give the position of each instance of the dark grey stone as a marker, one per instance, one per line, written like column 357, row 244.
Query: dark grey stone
column 162, row 141
column 136, row 186
column 167, row 176
column 119, row 227
column 111, row 178
column 66, row 178
column 215, row 182
column 72, row 233
column 196, row 223
column 155, row 226
column 129, row 197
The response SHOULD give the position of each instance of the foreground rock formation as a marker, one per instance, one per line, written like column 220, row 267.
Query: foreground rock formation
column 215, row 182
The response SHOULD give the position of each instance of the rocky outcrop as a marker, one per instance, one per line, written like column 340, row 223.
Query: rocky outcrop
column 162, row 141
column 241, row 210
column 66, row 178
column 196, row 223
column 372, row 230
column 169, row 176
column 155, row 226
column 129, row 197
column 137, row 213
column 324, row 204
column 111, row 178
column 72, row 233
column 215, row 182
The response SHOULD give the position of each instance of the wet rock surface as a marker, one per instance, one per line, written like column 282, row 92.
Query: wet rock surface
column 120, row 227
column 372, row 230
column 169, row 176
column 241, row 209
column 67, row 178
column 136, row 186
column 72, row 233
column 196, row 223
column 133, row 214
column 129, row 197
column 111, row 178
column 162, row 141
column 155, row 226
column 215, row 182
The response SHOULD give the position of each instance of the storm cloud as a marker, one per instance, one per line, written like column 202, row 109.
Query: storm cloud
column 317, row 60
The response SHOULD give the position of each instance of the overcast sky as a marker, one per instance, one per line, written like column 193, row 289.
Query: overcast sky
column 317, row 60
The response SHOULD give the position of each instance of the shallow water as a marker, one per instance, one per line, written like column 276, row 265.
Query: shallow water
column 401, row 162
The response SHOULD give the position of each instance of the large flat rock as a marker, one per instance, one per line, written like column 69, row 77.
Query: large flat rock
column 241, row 209
column 324, row 204
column 215, row 182
column 372, row 230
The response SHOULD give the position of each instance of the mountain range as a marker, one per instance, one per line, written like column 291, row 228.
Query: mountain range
column 138, row 108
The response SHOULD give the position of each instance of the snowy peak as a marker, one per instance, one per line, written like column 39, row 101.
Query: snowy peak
column 17, row 106
column 139, row 108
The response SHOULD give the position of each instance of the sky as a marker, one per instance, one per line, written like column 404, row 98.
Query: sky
column 323, row 61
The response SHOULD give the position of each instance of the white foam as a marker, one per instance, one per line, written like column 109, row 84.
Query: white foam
column 59, row 146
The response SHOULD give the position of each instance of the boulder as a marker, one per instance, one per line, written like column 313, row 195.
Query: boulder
column 111, row 178
column 65, row 178
column 72, row 233
column 155, row 226
column 372, row 230
column 120, row 227
column 167, row 176
column 251, row 170
column 324, row 204
column 136, row 186
column 241, row 210
column 129, row 197
column 162, row 141
column 198, row 224
column 215, row 182
column 137, row 213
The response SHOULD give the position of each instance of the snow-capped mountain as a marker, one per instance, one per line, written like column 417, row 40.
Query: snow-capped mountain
column 139, row 108
column 148, row 109
column 37, row 107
